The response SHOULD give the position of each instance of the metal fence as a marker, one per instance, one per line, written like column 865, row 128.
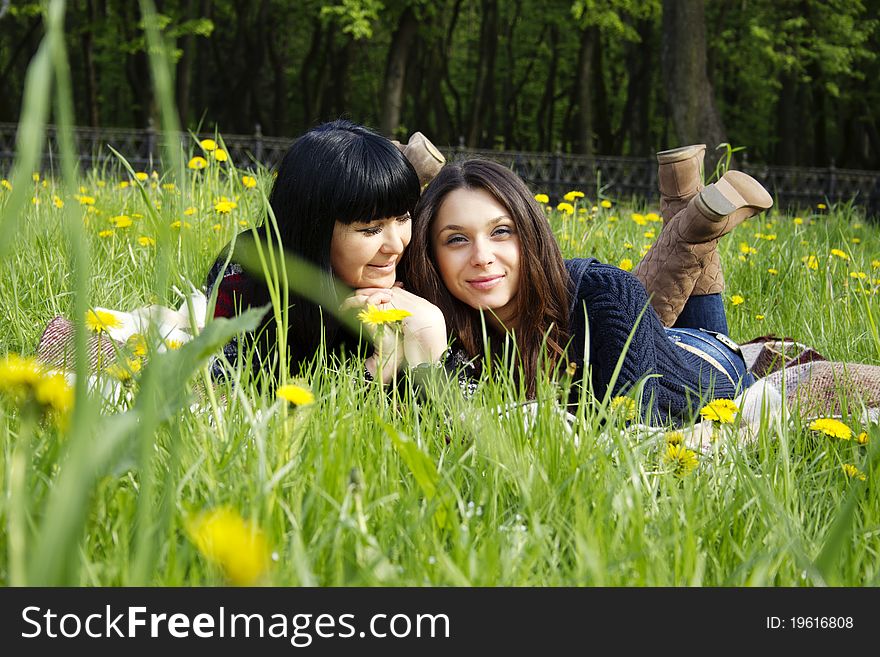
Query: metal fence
column 550, row 173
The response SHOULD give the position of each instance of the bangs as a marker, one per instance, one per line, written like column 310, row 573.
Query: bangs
column 374, row 181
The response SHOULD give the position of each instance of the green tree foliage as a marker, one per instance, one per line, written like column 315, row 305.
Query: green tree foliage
column 794, row 81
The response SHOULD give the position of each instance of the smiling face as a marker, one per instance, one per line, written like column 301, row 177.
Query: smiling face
column 477, row 251
column 366, row 254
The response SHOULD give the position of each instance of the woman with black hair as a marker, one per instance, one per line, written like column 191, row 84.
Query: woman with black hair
column 342, row 202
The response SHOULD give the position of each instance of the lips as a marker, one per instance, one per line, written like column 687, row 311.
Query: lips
column 387, row 267
column 485, row 282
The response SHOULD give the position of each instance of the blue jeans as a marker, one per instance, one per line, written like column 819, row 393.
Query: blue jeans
column 707, row 312
column 704, row 311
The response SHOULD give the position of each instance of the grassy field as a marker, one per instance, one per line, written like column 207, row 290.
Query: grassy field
column 367, row 488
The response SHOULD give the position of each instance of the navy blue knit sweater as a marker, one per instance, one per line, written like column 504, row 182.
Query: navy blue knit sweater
column 613, row 301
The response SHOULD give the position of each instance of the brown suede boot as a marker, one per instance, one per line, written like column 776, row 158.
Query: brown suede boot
column 680, row 178
column 672, row 267
column 423, row 155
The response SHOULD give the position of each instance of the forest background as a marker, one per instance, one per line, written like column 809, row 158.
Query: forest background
column 794, row 81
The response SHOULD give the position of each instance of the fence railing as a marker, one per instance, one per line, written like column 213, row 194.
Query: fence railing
column 550, row 173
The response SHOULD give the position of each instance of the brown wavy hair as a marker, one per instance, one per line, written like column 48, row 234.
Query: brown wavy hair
column 542, row 298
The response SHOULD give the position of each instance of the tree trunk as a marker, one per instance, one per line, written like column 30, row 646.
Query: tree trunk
column 786, row 122
column 603, row 119
column 88, row 50
column 483, row 96
column 395, row 71
column 584, row 94
column 689, row 93
column 184, row 68
column 635, row 124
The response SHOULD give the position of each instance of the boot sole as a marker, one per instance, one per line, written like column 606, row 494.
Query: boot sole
column 734, row 191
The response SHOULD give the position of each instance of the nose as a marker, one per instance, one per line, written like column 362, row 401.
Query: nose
column 482, row 254
column 396, row 238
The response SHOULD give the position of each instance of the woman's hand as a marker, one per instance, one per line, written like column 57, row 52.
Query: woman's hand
column 424, row 330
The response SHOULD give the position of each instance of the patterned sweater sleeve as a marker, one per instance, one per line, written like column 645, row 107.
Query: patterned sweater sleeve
column 677, row 380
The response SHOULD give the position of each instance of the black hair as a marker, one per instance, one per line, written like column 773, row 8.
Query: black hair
column 338, row 171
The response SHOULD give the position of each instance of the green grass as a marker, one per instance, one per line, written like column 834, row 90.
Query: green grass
column 464, row 498
column 366, row 487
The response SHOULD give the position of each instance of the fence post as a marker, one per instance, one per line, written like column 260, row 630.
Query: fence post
column 832, row 182
column 151, row 141
column 556, row 175
column 258, row 143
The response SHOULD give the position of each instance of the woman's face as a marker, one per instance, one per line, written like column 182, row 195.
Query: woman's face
column 477, row 250
column 366, row 254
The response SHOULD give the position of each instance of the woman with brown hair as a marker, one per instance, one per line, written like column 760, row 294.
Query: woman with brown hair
column 482, row 250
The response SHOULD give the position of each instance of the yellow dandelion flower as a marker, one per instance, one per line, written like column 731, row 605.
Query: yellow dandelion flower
column 812, row 262
column 682, row 460
column 208, row 144
column 198, row 162
column 121, row 221
column 137, row 343
column 35, row 200
column 773, row 272
column 297, row 395
column 875, row 264
column 797, row 221
column 613, row 218
column 177, row 225
column 217, row 227
column 169, row 187
column 225, row 539
column 54, row 392
column 124, row 371
column 653, row 217
column 36, row 177
column 571, row 197
column 373, row 316
column 649, row 234
column 57, row 202
column 858, row 275
column 821, row 206
column 173, row 345
column 736, row 300
column 142, row 176
column 760, row 318
column 605, row 203
column 243, row 223
column 6, row 184
column 862, row 438
column 626, row 264
column 638, row 218
column 101, row 320
column 770, row 238
column 19, row 375
column 220, row 155
column 843, row 255
column 624, row 405
column 225, row 207
column 190, row 211
column 123, row 184
column 720, row 410
column 674, row 438
column 856, row 240
column 853, row 472
column 249, row 181
column 745, row 249
column 831, row 427
column 85, row 200
column 105, row 233
column 143, row 240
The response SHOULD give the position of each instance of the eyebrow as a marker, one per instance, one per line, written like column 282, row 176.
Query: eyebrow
column 492, row 222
